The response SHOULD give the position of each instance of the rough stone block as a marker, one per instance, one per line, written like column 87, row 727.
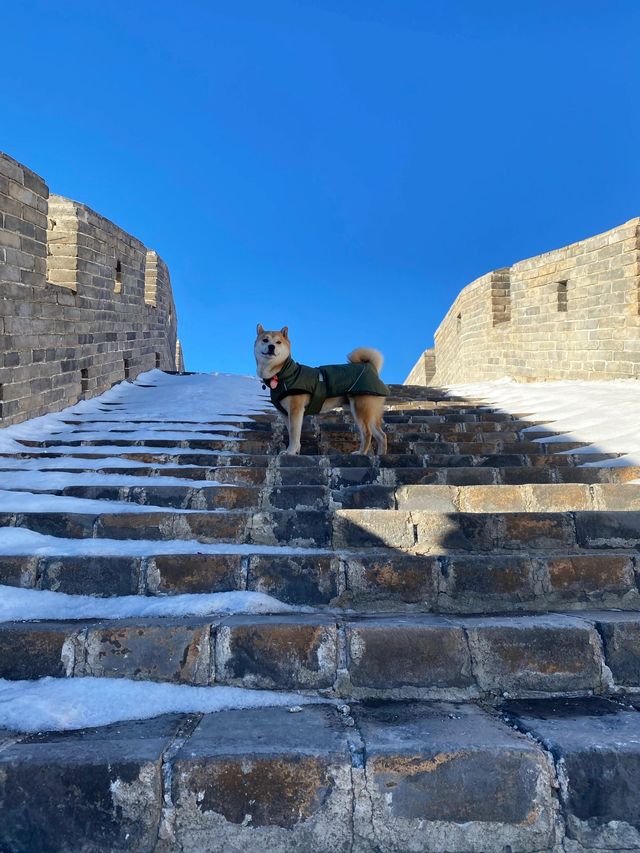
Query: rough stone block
column 266, row 774
column 91, row 575
column 393, row 577
column 596, row 745
column 167, row 650
column 194, row 573
column 281, row 652
column 366, row 528
column 444, row 777
column 539, row 531
column 295, row 578
column 476, row 583
column 395, row 654
column 85, row 791
column 33, row 650
column 19, row 571
column 427, row 498
column 608, row 529
column 591, row 578
column 539, row 654
column 620, row 634
column 311, row 528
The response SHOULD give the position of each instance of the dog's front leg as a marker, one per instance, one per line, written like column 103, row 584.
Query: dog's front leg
column 295, row 406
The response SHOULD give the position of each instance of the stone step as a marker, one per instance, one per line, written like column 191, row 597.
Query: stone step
column 438, row 427
column 389, row 777
column 534, row 497
column 336, row 477
column 485, row 532
column 378, row 579
column 352, row 460
column 421, row 531
column 594, row 747
column 346, row 444
column 350, row 656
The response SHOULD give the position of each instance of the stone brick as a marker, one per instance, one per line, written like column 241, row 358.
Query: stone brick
column 394, row 653
column 295, row 579
column 393, row 578
column 195, row 573
column 523, row 655
column 620, row 634
column 595, row 742
column 590, row 577
column 96, row 575
column 477, row 583
column 449, row 777
column 283, row 652
column 170, row 650
column 286, row 777
column 32, row 650
column 107, row 785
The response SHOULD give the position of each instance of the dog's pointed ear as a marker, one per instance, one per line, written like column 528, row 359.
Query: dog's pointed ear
column 259, row 329
column 284, row 331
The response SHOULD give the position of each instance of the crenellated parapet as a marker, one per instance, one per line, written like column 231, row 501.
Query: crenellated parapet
column 573, row 313
column 83, row 303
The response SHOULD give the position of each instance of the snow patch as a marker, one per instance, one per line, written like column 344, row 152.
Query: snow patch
column 199, row 398
column 60, row 704
column 604, row 415
column 18, row 541
column 20, row 605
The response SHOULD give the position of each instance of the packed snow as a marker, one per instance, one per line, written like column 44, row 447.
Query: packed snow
column 59, row 704
column 48, row 481
column 42, row 502
column 201, row 398
column 17, row 541
column 604, row 415
column 21, row 605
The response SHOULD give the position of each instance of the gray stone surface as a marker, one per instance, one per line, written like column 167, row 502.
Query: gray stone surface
column 596, row 746
column 447, row 777
column 90, row 791
column 268, row 779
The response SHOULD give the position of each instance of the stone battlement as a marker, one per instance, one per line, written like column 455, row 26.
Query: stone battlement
column 572, row 313
column 83, row 303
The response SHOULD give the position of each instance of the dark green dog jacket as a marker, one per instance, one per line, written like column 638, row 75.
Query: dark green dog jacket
column 329, row 380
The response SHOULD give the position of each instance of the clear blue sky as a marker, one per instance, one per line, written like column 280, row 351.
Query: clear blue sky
column 342, row 167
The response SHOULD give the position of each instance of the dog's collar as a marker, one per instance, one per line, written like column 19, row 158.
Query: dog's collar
column 273, row 381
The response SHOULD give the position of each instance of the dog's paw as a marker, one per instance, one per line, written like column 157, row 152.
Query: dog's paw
column 288, row 452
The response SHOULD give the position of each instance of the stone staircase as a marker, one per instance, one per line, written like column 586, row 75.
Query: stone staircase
column 466, row 613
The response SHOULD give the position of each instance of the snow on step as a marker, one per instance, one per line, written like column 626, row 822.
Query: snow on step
column 604, row 415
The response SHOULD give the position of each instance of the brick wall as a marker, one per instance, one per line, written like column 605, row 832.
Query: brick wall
column 423, row 370
column 83, row 304
column 573, row 313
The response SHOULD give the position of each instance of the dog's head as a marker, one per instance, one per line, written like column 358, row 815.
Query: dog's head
column 271, row 350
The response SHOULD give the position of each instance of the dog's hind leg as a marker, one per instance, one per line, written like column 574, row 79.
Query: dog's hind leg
column 379, row 435
column 360, row 416
column 367, row 411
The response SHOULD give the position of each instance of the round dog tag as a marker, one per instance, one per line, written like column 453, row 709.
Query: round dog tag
column 273, row 382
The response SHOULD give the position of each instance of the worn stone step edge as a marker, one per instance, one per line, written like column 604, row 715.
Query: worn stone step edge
column 561, row 497
column 341, row 477
column 346, row 656
column 351, row 460
column 384, row 579
column 395, row 776
column 419, row 531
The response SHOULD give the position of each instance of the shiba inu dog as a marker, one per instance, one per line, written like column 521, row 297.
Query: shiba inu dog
column 297, row 390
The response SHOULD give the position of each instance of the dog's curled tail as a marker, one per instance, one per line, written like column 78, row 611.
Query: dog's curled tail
column 367, row 354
